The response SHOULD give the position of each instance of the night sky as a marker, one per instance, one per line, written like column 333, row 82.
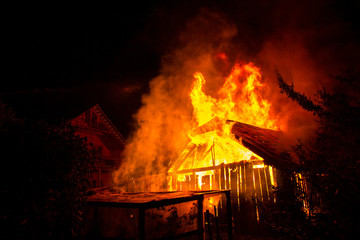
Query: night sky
column 62, row 59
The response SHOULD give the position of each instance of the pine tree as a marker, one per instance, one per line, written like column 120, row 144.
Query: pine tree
column 330, row 164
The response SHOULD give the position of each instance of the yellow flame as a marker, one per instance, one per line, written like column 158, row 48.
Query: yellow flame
column 238, row 99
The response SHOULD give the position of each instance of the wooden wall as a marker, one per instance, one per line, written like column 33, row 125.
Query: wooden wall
column 250, row 182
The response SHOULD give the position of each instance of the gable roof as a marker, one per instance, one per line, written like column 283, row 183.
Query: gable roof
column 263, row 143
column 102, row 129
column 108, row 123
column 211, row 149
column 104, row 119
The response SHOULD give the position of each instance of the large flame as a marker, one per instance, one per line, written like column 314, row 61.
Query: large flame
column 180, row 100
column 238, row 99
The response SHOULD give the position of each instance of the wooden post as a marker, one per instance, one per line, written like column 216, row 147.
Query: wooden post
column 222, row 177
column 249, row 181
column 216, row 223
column 227, row 183
column 228, row 214
column 173, row 181
column 269, row 184
column 200, row 218
column 265, row 189
column 193, row 182
column 208, row 230
column 216, row 184
column 243, row 178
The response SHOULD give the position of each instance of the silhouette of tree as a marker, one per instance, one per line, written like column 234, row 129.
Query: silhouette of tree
column 330, row 166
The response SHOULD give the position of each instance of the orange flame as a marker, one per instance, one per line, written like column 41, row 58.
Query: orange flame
column 238, row 99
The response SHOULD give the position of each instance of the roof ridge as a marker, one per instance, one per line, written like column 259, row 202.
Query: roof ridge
column 109, row 124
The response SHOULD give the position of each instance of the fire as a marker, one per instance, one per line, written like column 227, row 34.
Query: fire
column 190, row 91
column 214, row 148
column 238, row 99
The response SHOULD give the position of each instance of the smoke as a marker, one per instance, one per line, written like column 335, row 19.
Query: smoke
column 288, row 56
column 308, row 43
column 165, row 118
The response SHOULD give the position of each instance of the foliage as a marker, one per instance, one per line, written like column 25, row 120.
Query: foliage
column 330, row 165
column 44, row 180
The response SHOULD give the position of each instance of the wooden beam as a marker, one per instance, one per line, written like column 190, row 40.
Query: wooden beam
column 195, row 170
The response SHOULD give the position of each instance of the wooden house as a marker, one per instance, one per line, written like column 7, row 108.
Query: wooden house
column 244, row 164
column 105, row 139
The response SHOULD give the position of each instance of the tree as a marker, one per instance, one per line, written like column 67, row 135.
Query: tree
column 44, row 179
column 330, row 164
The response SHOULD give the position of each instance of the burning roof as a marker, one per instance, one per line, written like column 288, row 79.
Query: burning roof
column 241, row 96
column 267, row 143
column 210, row 147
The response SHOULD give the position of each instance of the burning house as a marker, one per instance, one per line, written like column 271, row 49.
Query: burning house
column 237, row 155
column 242, row 164
column 201, row 166
column 105, row 139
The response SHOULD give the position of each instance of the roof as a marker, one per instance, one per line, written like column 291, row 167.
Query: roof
column 56, row 106
column 267, row 143
column 100, row 132
column 109, row 124
column 210, row 147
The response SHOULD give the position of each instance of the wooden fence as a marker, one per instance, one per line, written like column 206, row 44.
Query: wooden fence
column 249, row 182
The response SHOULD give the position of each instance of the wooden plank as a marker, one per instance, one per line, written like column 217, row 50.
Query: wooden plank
column 217, row 179
column 193, row 182
column 249, row 181
column 260, row 184
column 229, row 214
column 243, row 178
column 267, row 188
column 196, row 170
column 235, row 201
column 234, row 187
column 238, row 179
column 227, row 176
column 200, row 217
column 145, row 205
column 222, row 177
